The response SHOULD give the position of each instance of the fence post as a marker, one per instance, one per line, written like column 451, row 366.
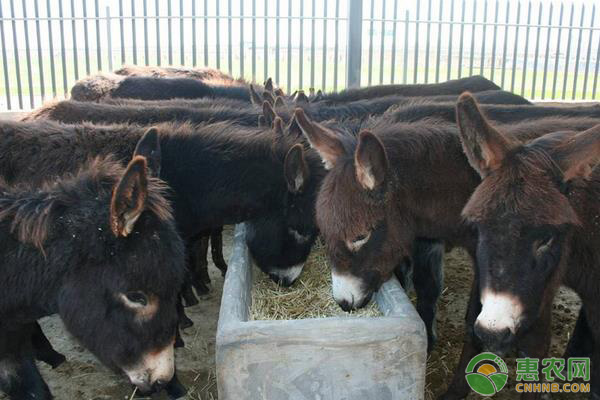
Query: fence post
column 354, row 47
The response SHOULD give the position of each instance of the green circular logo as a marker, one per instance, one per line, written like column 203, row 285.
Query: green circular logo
column 491, row 374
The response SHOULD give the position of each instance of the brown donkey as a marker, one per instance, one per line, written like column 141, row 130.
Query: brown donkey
column 537, row 215
column 391, row 185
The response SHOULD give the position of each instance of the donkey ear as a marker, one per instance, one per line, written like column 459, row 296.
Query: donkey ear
column 295, row 169
column 578, row 155
column 318, row 96
column 149, row 148
column 484, row 146
column 267, row 96
column 324, row 141
column 370, row 161
column 269, row 113
column 269, row 85
column 278, row 127
column 254, row 97
column 301, row 98
column 129, row 197
column 278, row 92
column 279, row 102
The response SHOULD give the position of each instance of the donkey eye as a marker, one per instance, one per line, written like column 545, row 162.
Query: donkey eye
column 542, row 246
column 137, row 298
column 359, row 242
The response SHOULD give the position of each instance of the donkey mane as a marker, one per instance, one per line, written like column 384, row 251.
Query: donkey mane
column 32, row 211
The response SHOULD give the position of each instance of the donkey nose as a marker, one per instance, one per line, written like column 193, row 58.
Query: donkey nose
column 281, row 280
column 346, row 305
column 158, row 385
column 494, row 339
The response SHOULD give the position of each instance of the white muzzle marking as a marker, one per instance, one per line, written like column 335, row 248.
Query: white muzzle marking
column 347, row 288
column 155, row 366
column 499, row 311
column 289, row 274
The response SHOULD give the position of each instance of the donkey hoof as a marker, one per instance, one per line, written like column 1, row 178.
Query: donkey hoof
column 179, row 343
column 201, row 288
column 175, row 389
column 56, row 360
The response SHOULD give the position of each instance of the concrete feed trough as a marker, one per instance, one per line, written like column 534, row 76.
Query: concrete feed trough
column 338, row 358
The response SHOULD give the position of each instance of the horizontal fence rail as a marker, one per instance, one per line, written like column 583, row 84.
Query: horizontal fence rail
column 543, row 50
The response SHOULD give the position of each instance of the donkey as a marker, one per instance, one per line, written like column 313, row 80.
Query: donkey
column 95, row 88
column 101, row 249
column 498, row 113
column 203, row 74
column 242, row 169
column 476, row 83
column 536, row 211
column 388, row 186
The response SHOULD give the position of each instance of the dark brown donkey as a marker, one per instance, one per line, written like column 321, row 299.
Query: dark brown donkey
column 537, row 215
column 391, row 185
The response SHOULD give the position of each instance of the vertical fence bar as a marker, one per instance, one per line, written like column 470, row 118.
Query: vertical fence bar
column 254, row 40
column 439, row 42
column 301, row 47
column 266, row 42
column 427, row 41
column 218, row 24
column 28, row 55
column 133, row 32
column 560, row 20
column 181, row 38
column 51, row 48
column 312, row 45
column 74, row 36
column 589, row 53
column 416, row 58
column 98, row 48
column 473, row 26
column 354, row 47
column 566, row 73
column 336, row 49
column 85, row 38
column 515, row 52
column 547, row 56
column 324, row 60
column 462, row 36
column 578, row 52
column 242, row 38
column 39, row 49
column 229, row 38
column 194, row 44
column 485, row 13
column 371, row 18
column 109, row 38
column 450, row 30
column 63, row 55
column 395, row 26
column 277, row 37
column 525, row 55
column 16, row 53
column 597, row 70
column 537, row 49
column 382, row 48
column 505, row 44
column 495, row 37
column 5, row 60
column 406, row 30
column 157, row 12
column 206, row 33
column 122, row 31
column 170, row 32
column 146, row 49
column 289, row 48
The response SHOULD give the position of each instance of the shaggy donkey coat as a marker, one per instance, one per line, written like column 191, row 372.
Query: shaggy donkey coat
column 99, row 248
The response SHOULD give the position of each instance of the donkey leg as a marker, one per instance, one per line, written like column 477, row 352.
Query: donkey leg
column 458, row 388
column 428, row 278
column 184, row 321
column 593, row 319
column 216, row 248
column 404, row 273
column 199, row 264
column 43, row 348
column 581, row 342
column 21, row 380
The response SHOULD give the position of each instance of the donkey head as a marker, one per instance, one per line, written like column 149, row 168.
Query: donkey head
column 353, row 210
column 122, row 304
column 280, row 242
column 523, row 216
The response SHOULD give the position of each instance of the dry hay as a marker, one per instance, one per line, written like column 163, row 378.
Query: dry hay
column 309, row 297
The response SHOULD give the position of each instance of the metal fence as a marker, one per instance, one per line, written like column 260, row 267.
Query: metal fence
column 541, row 49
